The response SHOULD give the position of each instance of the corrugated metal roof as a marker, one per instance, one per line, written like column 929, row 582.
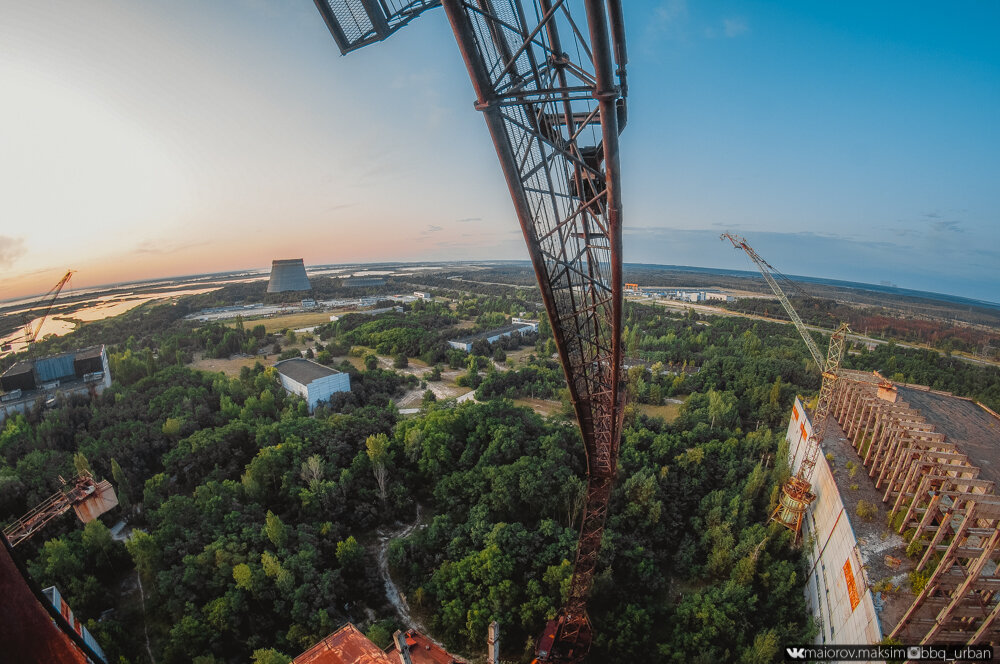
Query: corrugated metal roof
column 304, row 371
column 18, row 368
column 345, row 646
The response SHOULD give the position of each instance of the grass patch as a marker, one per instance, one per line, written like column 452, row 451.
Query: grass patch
column 545, row 407
column 667, row 412
column 291, row 321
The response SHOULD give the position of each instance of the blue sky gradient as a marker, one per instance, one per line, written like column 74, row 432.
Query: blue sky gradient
column 848, row 140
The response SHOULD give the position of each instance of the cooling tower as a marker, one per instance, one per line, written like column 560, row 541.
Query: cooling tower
column 288, row 275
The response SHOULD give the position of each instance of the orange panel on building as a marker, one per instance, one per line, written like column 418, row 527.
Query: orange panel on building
column 802, row 428
column 852, row 589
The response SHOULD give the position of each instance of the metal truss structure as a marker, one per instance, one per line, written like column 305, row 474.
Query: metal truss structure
column 551, row 83
column 88, row 497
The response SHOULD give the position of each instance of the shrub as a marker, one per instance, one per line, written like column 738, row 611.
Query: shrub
column 866, row 510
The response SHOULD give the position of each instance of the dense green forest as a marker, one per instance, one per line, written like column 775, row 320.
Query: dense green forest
column 254, row 525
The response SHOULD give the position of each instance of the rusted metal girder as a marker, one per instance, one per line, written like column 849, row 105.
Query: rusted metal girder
column 555, row 123
column 552, row 92
column 83, row 494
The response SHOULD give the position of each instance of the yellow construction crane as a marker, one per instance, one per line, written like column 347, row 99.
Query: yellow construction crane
column 796, row 494
column 33, row 327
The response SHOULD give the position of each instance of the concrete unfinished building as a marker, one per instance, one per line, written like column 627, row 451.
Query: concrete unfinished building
column 288, row 275
column 932, row 460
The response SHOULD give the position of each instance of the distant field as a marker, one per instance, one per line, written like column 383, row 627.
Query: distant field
column 230, row 367
column 290, row 321
column 541, row 406
column 668, row 412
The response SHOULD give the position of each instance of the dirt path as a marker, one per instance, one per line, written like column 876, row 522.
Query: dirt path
column 392, row 593
column 144, row 628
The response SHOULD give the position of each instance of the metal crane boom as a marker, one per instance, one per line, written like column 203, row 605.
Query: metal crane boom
column 766, row 269
column 796, row 494
column 555, row 120
column 31, row 331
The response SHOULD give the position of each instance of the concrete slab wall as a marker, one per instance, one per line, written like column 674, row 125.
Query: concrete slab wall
column 837, row 589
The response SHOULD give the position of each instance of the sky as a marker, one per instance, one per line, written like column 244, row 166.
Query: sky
column 846, row 140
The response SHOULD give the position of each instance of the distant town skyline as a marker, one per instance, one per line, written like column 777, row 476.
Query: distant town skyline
column 853, row 141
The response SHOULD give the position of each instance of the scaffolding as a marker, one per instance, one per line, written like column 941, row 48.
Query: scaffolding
column 940, row 501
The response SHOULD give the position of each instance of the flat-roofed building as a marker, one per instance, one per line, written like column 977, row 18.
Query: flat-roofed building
column 465, row 343
column 311, row 381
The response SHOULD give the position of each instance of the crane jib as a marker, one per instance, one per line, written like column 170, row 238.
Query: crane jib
column 565, row 184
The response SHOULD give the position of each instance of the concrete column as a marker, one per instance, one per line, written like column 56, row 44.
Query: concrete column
column 493, row 644
column 402, row 647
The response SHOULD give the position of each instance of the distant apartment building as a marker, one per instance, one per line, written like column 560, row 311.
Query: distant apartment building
column 311, row 381
column 519, row 325
column 82, row 371
column 422, row 295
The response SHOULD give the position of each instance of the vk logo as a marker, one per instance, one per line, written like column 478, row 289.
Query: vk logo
column 796, row 653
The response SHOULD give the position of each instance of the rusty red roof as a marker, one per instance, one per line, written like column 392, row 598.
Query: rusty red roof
column 345, row 646
column 425, row 651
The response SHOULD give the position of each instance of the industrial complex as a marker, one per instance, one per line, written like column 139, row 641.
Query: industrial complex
column 82, row 371
column 902, row 535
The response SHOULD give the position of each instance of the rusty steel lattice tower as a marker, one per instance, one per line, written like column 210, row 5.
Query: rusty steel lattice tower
column 549, row 78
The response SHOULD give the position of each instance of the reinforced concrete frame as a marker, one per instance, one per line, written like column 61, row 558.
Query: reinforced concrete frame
column 942, row 505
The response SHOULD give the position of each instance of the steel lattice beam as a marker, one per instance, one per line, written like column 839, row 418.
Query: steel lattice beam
column 565, row 184
column 545, row 77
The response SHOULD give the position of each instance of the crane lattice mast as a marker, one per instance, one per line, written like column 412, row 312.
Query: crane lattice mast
column 796, row 494
column 31, row 331
column 88, row 497
column 550, row 81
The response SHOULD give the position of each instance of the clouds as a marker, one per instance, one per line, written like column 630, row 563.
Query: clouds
column 11, row 248
column 160, row 247
column 673, row 21
column 947, row 227
column 734, row 27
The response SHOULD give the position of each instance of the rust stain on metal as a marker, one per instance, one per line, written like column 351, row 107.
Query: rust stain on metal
column 27, row 632
column 100, row 501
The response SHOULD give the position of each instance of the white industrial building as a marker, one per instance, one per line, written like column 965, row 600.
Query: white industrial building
column 311, row 381
column 519, row 325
